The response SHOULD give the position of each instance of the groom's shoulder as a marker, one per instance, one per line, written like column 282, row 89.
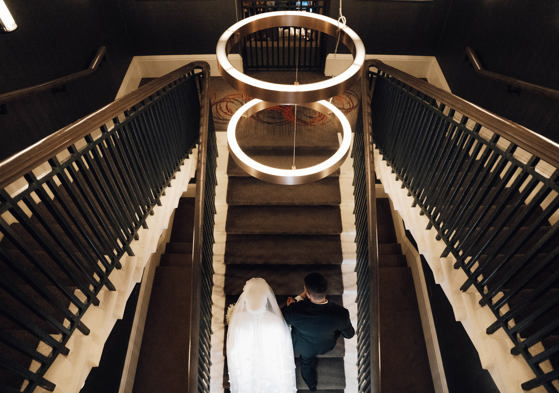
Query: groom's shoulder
column 337, row 307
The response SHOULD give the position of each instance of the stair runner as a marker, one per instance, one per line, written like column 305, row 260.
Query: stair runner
column 402, row 343
column 163, row 355
column 281, row 233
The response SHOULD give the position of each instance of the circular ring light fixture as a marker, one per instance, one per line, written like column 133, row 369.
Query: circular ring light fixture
column 287, row 176
column 282, row 93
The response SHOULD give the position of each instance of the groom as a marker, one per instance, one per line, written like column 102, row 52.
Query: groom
column 316, row 324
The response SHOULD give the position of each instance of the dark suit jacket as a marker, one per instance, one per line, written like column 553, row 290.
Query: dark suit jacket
column 316, row 327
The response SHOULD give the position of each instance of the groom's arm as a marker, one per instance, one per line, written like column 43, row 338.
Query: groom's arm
column 347, row 330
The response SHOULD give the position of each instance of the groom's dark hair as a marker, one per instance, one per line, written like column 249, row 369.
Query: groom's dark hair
column 316, row 284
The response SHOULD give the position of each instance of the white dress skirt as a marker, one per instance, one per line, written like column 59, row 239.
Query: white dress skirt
column 259, row 348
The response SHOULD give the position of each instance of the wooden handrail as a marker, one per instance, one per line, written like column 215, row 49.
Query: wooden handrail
column 509, row 80
column 372, row 240
column 21, row 163
column 198, row 240
column 93, row 66
column 534, row 143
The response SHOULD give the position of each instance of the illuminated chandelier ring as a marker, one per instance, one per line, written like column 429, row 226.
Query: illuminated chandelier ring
column 287, row 176
column 283, row 93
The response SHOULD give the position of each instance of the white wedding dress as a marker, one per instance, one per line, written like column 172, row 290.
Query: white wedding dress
column 259, row 349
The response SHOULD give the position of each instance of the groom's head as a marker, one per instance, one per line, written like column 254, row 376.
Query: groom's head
column 316, row 285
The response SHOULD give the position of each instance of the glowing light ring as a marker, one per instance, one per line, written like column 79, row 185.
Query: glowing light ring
column 287, row 176
column 282, row 93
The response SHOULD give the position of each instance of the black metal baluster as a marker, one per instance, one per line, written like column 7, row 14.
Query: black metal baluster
column 492, row 220
column 108, row 172
column 451, row 179
column 521, row 281
column 120, row 165
column 141, row 154
column 82, row 178
column 105, row 182
column 90, row 257
column 34, row 378
column 136, row 173
column 531, row 231
column 148, row 133
column 489, row 194
column 105, row 195
column 418, row 152
column 442, row 178
column 38, row 285
column 501, row 240
column 432, row 166
column 47, row 246
column 89, row 211
column 458, row 202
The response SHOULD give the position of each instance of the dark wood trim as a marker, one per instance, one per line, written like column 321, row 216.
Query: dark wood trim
column 509, row 80
column 20, row 163
column 374, row 300
column 198, row 236
column 93, row 66
column 525, row 138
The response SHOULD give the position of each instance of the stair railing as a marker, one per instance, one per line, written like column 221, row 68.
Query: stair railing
column 490, row 188
column 93, row 66
column 70, row 206
column 201, row 283
column 367, row 267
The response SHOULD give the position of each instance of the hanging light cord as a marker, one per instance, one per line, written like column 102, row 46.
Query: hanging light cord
column 342, row 21
column 295, row 111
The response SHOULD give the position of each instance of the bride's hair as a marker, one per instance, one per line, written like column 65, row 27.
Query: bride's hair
column 316, row 284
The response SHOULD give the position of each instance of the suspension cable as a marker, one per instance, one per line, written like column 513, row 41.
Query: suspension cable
column 295, row 111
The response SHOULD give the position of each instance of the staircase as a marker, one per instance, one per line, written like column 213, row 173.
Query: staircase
column 163, row 358
column 402, row 342
column 282, row 233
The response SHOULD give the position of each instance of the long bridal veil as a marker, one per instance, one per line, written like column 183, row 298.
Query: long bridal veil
column 259, row 349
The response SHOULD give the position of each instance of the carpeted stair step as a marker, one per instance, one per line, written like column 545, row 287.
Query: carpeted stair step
column 164, row 354
column 552, row 342
column 16, row 358
column 528, row 313
column 495, row 213
column 284, row 279
column 251, row 135
column 386, row 232
column 330, row 375
column 402, row 338
column 67, row 251
column 72, row 230
column 392, row 260
column 47, row 306
column 182, row 222
column 178, row 260
column 524, row 267
column 320, row 220
column 280, row 161
column 389, row 248
column 179, row 248
column 506, row 236
column 283, row 249
column 251, row 191
column 25, row 264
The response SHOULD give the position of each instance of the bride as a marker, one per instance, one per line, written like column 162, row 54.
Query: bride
column 259, row 349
